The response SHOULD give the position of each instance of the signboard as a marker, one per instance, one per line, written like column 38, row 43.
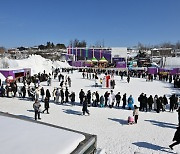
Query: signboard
column 121, row 64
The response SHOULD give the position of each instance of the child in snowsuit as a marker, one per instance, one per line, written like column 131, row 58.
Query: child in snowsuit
column 136, row 113
column 130, row 120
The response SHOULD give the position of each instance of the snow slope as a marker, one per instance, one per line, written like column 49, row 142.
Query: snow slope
column 152, row 134
column 35, row 62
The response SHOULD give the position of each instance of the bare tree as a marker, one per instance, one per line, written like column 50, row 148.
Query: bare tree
column 2, row 50
column 167, row 45
column 177, row 46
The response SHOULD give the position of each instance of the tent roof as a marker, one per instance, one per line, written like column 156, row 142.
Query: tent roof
column 89, row 61
column 103, row 59
column 94, row 59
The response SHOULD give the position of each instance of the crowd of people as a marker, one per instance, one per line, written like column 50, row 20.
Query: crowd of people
column 62, row 95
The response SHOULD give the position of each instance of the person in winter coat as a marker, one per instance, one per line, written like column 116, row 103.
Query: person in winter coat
column 136, row 113
column 102, row 101
column 14, row 89
column 46, row 105
column 37, row 93
column 150, row 102
column 24, row 91
column 42, row 94
column 19, row 91
column 36, row 107
column 72, row 98
column 57, row 95
column 144, row 102
column 172, row 102
column 155, row 102
column 140, row 99
column 48, row 95
column 176, row 138
column 97, row 99
column 61, row 84
column 178, row 115
column 54, row 94
column 93, row 99
column 106, row 97
column 96, row 79
column 69, row 81
column 62, row 95
column 165, row 102
column 89, row 97
column 124, row 101
column 81, row 96
column 158, row 102
column 112, row 95
column 84, row 109
column 2, row 91
column 112, row 83
column 66, row 95
column 128, row 78
column 110, row 101
column 130, row 102
column 118, row 99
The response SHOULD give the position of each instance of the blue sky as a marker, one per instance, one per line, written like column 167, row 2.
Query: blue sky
column 114, row 22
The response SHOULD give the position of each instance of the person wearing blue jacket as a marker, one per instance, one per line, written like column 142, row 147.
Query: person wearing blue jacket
column 130, row 102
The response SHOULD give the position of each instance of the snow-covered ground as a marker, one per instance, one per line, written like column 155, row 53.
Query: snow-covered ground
column 39, row 138
column 152, row 134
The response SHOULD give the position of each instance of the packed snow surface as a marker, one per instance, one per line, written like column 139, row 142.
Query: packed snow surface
column 19, row 136
column 151, row 135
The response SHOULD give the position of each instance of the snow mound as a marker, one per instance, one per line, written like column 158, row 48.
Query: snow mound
column 36, row 62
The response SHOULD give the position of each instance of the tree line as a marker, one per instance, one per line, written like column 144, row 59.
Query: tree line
column 77, row 43
column 142, row 46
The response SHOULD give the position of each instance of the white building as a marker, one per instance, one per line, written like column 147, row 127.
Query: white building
column 118, row 52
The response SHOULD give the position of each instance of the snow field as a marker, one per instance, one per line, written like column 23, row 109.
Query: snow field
column 152, row 134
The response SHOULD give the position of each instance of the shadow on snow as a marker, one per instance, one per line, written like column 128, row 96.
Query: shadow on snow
column 121, row 121
column 162, row 124
column 69, row 111
column 152, row 146
column 25, row 117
